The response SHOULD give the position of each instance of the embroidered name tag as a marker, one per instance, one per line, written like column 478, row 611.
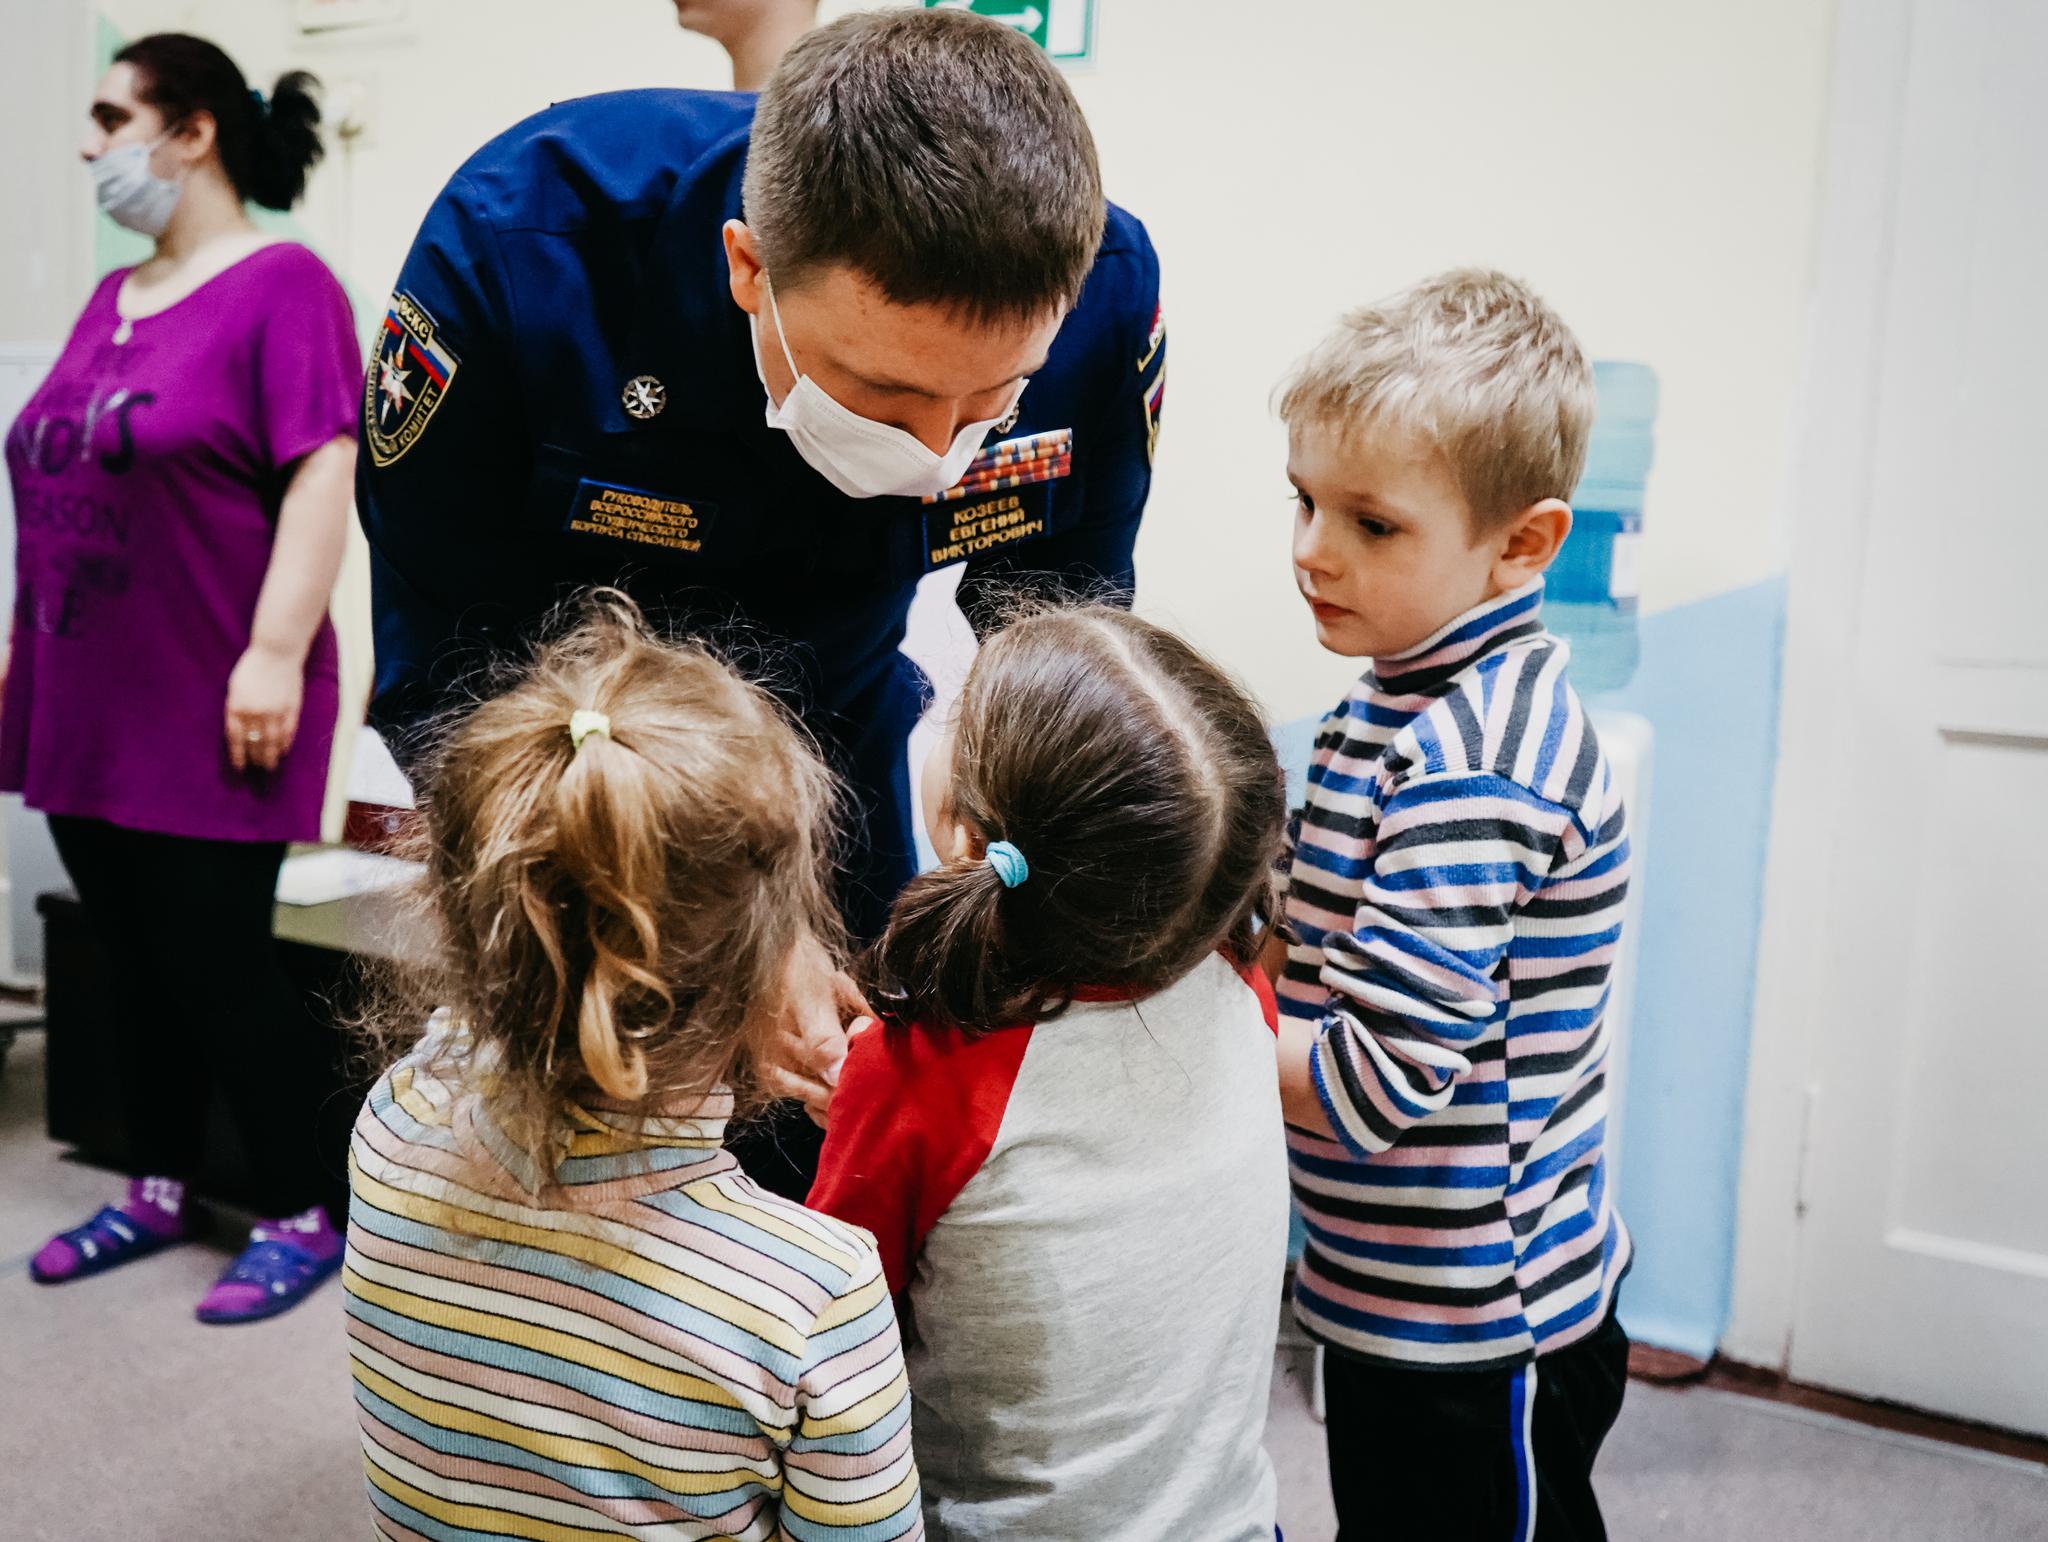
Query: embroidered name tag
column 1042, row 457
column 635, row 515
column 953, row 532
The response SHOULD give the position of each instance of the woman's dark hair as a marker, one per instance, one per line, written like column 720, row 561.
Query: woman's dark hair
column 267, row 145
column 1138, row 781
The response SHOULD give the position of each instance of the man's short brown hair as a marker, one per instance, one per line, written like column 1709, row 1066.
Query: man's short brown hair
column 1472, row 361
column 937, row 153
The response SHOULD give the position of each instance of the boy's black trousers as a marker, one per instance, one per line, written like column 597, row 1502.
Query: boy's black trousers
column 1474, row 1456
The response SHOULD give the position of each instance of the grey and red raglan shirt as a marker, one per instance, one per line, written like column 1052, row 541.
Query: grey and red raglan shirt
column 1084, row 1221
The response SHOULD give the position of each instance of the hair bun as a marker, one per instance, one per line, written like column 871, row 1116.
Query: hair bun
column 287, row 141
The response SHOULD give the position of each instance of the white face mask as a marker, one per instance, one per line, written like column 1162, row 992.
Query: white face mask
column 129, row 193
column 860, row 457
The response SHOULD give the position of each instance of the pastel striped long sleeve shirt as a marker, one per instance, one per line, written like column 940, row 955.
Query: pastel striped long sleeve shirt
column 650, row 1348
column 1455, row 894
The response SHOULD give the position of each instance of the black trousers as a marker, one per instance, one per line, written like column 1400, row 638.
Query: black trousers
column 204, row 1001
column 1486, row 1456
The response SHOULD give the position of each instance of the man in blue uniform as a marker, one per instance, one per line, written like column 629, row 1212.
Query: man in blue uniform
column 764, row 368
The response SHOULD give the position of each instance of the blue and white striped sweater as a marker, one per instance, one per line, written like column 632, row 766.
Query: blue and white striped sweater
column 1455, row 895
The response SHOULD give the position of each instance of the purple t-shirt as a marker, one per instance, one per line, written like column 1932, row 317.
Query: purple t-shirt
column 147, row 473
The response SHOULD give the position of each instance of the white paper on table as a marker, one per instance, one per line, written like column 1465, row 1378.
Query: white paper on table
column 373, row 776
column 318, row 877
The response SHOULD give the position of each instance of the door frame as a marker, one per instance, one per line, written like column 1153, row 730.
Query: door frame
column 1830, row 493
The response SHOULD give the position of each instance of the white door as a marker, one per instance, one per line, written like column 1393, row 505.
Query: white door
column 1923, row 1256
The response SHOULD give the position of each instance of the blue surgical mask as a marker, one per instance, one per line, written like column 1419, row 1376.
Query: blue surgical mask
column 129, row 193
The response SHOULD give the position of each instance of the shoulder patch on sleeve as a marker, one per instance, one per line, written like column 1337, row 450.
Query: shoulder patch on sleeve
column 1154, row 399
column 411, row 370
column 1152, row 393
column 1153, row 339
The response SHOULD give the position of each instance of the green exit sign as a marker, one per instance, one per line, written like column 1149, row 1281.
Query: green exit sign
column 1063, row 28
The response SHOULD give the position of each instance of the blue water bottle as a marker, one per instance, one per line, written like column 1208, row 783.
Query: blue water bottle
column 1591, row 595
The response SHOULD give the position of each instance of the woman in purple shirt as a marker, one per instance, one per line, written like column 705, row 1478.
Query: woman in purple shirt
column 181, row 485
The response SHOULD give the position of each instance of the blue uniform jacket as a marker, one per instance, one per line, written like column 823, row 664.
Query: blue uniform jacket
column 575, row 263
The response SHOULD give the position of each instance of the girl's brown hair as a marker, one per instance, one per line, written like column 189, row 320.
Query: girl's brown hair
column 1138, row 781
column 616, row 916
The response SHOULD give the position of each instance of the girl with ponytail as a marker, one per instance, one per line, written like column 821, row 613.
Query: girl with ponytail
column 182, row 483
column 568, row 1307
column 1066, row 1134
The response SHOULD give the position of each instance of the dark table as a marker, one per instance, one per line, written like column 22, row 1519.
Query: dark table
column 323, row 948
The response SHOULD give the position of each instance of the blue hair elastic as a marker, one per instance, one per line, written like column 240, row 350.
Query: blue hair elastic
column 256, row 96
column 1009, row 863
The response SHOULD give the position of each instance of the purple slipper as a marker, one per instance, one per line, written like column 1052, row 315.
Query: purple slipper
column 279, row 1268
column 109, row 1239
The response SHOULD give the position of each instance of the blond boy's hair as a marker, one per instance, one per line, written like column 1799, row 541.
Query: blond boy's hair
column 1475, row 363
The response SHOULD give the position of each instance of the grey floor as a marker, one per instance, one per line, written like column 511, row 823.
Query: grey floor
column 123, row 1420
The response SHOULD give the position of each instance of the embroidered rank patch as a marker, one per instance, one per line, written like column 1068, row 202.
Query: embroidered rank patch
column 1042, row 457
column 1155, row 398
column 643, row 518
column 953, row 532
column 410, row 372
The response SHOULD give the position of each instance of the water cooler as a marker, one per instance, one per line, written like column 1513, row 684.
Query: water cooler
column 1594, row 583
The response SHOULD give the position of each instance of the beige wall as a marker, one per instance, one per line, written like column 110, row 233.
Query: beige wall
column 45, row 202
column 1651, row 167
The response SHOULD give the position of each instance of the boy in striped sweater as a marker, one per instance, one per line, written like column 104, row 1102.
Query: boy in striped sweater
column 1453, row 911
